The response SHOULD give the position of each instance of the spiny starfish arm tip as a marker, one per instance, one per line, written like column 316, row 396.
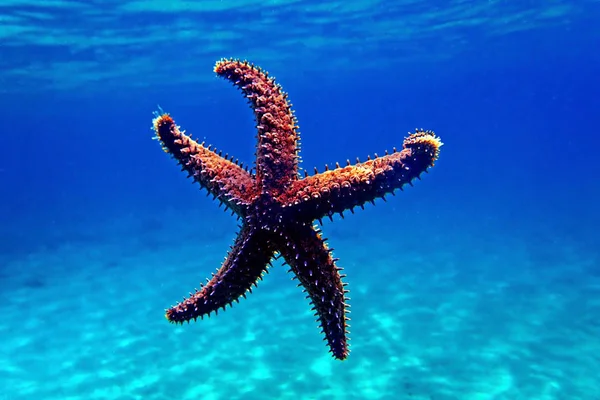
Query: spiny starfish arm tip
column 278, row 138
column 205, row 165
column 424, row 142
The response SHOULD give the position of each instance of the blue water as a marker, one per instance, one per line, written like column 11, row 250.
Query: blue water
column 481, row 282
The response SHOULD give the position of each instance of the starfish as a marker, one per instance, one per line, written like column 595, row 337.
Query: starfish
column 278, row 208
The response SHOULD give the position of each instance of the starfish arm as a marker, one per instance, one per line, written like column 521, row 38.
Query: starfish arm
column 310, row 260
column 243, row 267
column 277, row 149
column 344, row 188
column 223, row 178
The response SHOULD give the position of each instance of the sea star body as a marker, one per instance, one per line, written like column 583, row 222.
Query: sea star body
column 278, row 208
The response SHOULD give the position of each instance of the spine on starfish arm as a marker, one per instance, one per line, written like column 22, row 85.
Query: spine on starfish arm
column 225, row 179
column 277, row 150
column 344, row 188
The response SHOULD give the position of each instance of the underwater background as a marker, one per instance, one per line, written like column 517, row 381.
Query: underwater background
column 480, row 282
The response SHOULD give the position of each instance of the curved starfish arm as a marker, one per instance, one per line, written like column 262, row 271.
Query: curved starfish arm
column 310, row 260
column 277, row 149
column 243, row 267
column 344, row 188
column 224, row 179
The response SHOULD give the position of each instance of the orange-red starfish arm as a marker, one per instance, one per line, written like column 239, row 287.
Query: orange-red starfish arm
column 223, row 178
column 310, row 260
column 276, row 152
column 344, row 188
column 243, row 267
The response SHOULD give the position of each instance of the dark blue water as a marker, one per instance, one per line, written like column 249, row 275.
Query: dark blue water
column 481, row 282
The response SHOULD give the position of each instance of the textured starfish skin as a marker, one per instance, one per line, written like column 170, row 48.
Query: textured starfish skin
column 277, row 209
